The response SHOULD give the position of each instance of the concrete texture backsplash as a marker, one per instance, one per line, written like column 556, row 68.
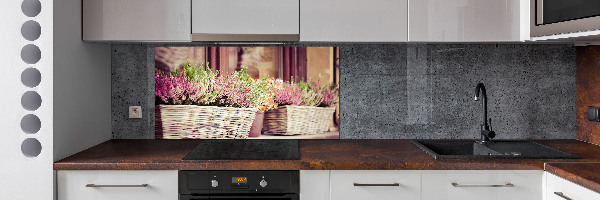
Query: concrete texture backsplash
column 397, row 91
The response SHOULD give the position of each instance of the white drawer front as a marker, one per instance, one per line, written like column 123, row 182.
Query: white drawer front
column 314, row 184
column 162, row 185
column 343, row 188
column 477, row 185
column 567, row 188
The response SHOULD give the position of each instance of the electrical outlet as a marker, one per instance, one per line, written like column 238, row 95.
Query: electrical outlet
column 135, row 112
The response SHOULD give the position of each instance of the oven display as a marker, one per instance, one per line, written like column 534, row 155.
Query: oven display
column 239, row 180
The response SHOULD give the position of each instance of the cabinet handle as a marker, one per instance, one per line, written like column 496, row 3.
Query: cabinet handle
column 505, row 185
column 94, row 185
column 362, row 184
column 560, row 194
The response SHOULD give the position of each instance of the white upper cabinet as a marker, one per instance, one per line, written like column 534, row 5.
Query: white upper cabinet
column 245, row 20
column 307, row 20
column 136, row 20
column 468, row 20
column 354, row 20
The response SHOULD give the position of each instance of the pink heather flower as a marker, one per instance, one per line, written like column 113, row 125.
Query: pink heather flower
column 289, row 94
column 191, row 85
column 234, row 92
column 330, row 96
column 170, row 89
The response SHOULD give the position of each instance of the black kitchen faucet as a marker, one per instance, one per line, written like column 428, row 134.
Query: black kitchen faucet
column 486, row 129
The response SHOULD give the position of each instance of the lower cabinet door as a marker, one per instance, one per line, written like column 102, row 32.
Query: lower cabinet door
column 314, row 185
column 560, row 189
column 482, row 184
column 375, row 185
column 117, row 185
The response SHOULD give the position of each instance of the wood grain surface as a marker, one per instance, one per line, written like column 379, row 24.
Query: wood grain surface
column 314, row 155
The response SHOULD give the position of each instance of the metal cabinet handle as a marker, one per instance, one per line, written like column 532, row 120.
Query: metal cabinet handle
column 560, row 194
column 94, row 185
column 361, row 184
column 505, row 185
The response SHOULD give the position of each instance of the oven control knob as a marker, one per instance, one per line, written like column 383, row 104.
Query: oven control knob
column 263, row 183
column 214, row 183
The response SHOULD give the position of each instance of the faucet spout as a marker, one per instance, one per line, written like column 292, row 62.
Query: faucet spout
column 486, row 132
column 481, row 88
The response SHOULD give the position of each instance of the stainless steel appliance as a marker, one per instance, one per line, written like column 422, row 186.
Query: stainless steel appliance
column 234, row 185
column 556, row 17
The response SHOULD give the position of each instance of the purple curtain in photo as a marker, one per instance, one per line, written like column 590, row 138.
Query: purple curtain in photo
column 218, row 58
column 294, row 63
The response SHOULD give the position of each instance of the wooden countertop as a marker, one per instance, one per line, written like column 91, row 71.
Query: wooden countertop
column 581, row 173
column 314, row 154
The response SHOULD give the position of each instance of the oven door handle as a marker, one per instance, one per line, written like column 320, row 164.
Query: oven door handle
column 251, row 197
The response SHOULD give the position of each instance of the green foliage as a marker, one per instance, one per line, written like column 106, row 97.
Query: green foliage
column 310, row 96
column 199, row 85
column 202, row 79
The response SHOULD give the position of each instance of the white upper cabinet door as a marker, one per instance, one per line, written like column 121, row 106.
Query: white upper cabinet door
column 245, row 17
column 482, row 184
column 468, row 20
column 136, row 20
column 354, row 20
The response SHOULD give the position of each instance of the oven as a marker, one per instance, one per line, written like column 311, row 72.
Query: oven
column 234, row 185
column 239, row 197
column 555, row 17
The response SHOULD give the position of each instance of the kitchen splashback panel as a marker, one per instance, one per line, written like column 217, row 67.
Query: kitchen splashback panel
column 408, row 90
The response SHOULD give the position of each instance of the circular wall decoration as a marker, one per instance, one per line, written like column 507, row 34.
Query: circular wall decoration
column 31, row 100
column 31, row 30
column 31, row 124
column 31, row 77
column 31, row 8
column 31, row 147
column 31, row 54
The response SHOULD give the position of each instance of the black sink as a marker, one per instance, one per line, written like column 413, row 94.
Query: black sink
column 492, row 149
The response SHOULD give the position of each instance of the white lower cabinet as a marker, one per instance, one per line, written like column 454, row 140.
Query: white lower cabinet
column 314, row 185
column 117, row 185
column 561, row 189
column 482, row 184
column 375, row 185
column 341, row 185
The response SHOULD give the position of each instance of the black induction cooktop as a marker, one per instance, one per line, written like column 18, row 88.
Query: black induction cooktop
column 248, row 149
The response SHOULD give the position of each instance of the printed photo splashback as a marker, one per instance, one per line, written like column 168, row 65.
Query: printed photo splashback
column 247, row 92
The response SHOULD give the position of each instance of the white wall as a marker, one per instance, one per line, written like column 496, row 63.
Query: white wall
column 82, row 84
column 74, row 88
column 24, row 177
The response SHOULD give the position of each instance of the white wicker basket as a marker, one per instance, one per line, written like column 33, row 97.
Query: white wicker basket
column 202, row 122
column 298, row 120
